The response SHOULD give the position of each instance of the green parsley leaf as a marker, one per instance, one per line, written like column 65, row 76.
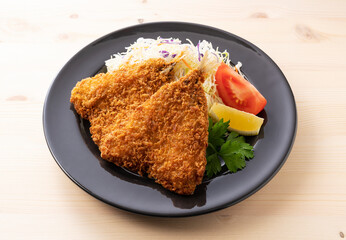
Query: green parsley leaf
column 232, row 136
column 213, row 165
column 210, row 124
column 234, row 162
column 235, row 136
column 217, row 133
column 230, row 152
column 233, row 149
column 210, row 150
column 247, row 150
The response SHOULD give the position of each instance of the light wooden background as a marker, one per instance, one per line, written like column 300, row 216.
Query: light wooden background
column 306, row 199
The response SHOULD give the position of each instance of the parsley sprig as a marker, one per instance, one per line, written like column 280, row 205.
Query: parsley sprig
column 231, row 147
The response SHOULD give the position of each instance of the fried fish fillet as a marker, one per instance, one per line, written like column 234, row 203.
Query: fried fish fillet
column 107, row 98
column 166, row 136
column 142, row 120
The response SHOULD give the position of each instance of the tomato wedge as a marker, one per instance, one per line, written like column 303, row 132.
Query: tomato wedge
column 235, row 91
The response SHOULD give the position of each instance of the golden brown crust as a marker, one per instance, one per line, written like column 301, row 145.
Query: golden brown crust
column 107, row 98
column 181, row 135
column 141, row 123
column 168, row 134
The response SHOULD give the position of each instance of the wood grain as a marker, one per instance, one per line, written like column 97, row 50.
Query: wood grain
column 307, row 198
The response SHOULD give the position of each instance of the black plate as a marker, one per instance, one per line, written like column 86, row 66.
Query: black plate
column 69, row 139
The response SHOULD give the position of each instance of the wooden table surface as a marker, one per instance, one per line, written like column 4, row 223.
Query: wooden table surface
column 305, row 200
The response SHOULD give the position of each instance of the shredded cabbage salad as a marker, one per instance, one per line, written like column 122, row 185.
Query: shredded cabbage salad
column 171, row 48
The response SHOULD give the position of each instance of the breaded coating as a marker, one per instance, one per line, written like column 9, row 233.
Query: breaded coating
column 167, row 135
column 144, row 121
column 107, row 98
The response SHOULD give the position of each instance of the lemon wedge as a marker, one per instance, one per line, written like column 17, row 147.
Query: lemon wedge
column 244, row 123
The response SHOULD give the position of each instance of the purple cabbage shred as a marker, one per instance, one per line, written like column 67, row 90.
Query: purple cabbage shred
column 199, row 54
column 164, row 53
column 168, row 41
